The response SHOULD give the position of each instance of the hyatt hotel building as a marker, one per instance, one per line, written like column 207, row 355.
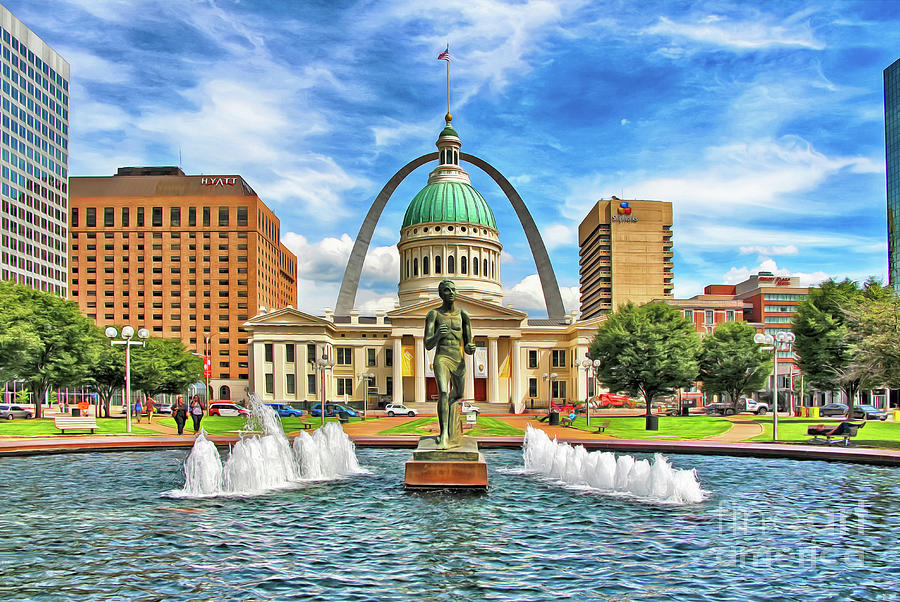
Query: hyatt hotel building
column 34, row 149
column 187, row 257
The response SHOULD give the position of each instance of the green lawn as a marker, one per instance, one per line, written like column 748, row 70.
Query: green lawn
column 485, row 427
column 226, row 425
column 44, row 426
column 670, row 427
column 793, row 430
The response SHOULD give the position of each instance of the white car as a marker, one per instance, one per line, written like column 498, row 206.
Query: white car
column 757, row 407
column 395, row 409
column 465, row 407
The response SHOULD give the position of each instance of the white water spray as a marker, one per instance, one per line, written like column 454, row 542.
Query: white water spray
column 264, row 460
column 605, row 472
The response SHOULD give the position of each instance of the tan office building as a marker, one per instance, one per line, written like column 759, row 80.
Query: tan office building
column 625, row 254
column 189, row 257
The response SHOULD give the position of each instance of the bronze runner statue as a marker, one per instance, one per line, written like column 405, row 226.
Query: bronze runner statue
column 449, row 329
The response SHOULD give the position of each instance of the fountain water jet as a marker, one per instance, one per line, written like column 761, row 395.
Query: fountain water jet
column 603, row 471
column 263, row 460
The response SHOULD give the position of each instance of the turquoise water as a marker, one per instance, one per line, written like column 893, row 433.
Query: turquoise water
column 102, row 526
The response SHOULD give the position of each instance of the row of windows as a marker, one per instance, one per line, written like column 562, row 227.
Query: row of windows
column 783, row 297
column 782, row 309
column 343, row 355
column 34, row 282
column 556, row 388
column 156, row 217
column 451, row 266
column 708, row 315
column 557, row 358
column 342, row 386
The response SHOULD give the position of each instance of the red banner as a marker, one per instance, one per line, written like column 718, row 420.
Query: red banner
column 207, row 366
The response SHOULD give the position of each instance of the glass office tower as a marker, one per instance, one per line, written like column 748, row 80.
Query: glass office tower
column 892, row 164
column 35, row 151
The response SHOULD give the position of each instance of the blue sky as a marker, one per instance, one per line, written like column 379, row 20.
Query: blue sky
column 762, row 122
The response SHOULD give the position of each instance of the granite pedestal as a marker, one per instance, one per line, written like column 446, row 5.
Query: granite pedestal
column 460, row 467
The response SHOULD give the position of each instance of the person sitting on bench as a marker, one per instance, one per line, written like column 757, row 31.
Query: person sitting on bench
column 845, row 429
column 570, row 419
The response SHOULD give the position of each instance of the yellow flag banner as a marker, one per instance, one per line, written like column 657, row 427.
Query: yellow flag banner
column 408, row 354
column 505, row 368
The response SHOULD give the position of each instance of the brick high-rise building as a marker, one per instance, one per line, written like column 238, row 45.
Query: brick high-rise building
column 625, row 254
column 35, row 149
column 184, row 256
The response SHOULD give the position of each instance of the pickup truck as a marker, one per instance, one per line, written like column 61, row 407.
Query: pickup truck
column 744, row 404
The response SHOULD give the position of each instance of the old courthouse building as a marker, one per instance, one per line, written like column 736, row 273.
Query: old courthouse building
column 188, row 257
column 448, row 231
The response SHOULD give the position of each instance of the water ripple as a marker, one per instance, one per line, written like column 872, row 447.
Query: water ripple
column 101, row 526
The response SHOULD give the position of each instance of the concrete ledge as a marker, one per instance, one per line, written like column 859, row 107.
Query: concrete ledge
column 99, row 443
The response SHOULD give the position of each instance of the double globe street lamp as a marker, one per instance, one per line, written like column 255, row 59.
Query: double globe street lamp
column 779, row 342
column 323, row 365
column 590, row 367
column 127, row 335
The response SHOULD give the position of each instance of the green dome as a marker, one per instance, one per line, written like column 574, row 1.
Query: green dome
column 449, row 201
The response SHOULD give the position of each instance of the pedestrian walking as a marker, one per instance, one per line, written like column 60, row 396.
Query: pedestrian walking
column 180, row 413
column 138, row 409
column 151, row 405
column 196, row 412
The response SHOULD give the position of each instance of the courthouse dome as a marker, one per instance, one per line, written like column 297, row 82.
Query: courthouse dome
column 449, row 201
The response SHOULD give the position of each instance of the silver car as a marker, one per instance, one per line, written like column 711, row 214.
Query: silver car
column 9, row 412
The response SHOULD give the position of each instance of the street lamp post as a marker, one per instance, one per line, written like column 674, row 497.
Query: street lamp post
column 324, row 364
column 590, row 367
column 550, row 378
column 782, row 340
column 127, row 335
column 367, row 378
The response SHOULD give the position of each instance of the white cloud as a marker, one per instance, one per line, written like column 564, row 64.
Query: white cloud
column 624, row 122
column 773, row 250
column 394, row 131
column 559, row 235
column 736, row 275
column 326, row 259
column 527, row 295
column 727, row 179
column 507, row 257
column 739, row 35
column 86, row 66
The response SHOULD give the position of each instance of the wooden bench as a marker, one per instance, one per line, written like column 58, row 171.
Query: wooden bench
column 842, row 431
column 64, row 423
column 603, row 426
column 306, row 425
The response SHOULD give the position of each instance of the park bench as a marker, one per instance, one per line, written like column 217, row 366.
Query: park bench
column 306, row 425
column 844, row 430
column 64, row 423
column 603, row 426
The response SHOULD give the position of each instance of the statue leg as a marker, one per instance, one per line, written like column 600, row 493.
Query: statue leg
column 442, row 376
column 458, row 378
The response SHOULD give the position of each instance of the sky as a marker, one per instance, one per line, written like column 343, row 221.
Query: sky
column 762, row 122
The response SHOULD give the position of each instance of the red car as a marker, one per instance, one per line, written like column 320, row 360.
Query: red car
column 227, row 409
column 565, row 408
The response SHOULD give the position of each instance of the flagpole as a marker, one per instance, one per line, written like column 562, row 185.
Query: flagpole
column 448, row 81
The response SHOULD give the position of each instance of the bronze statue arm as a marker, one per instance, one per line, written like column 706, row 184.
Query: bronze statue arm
column 431, row 335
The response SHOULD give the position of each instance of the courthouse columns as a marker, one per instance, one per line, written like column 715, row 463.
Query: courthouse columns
column 420, row 369
column 493, row 371
column 515, row 375
column 397, row 372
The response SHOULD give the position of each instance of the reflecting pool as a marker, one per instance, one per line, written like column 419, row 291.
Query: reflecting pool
column 104, row 526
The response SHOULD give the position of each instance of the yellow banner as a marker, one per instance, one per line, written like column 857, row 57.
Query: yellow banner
column 408, row 354
column 505, row 368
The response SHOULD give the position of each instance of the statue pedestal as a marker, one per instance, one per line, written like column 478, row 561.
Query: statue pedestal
column 460, row 467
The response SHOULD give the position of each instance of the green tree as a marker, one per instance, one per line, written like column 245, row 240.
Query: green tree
column 731, row 363
column 164, row 366
column 875, row 320
column 44, row 340
column 649, row 350
column 828, row 339
column 107, row 374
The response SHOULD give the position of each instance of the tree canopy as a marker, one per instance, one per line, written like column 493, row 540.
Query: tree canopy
column 44, row 340
column 164, row 366
column 732, row 363
column 649, row 350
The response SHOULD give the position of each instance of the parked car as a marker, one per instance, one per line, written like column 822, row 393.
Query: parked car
column 283, row 410
column 395, row 409
column 162, row 407
column 11, row 412
column 833, row 409
column 564, row 408
column 227, row 409
column 725, row 408
column 612, row 400
column 332, row 409
column 465, row 407
column 752, row 405
column 867, row 412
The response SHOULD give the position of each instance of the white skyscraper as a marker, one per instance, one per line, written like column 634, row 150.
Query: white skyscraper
column 35, row 159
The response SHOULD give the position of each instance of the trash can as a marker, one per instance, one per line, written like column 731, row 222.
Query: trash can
column 814, row 412
column 652, row 423
column 76, row 412
column 554, row 419
column 685, row 410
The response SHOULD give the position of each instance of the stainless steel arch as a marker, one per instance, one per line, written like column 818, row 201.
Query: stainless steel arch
column 350, row 283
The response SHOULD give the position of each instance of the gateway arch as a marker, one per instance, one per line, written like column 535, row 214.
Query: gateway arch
column 349, row 285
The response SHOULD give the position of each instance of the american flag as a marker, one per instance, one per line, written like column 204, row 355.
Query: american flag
column 445, row 55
